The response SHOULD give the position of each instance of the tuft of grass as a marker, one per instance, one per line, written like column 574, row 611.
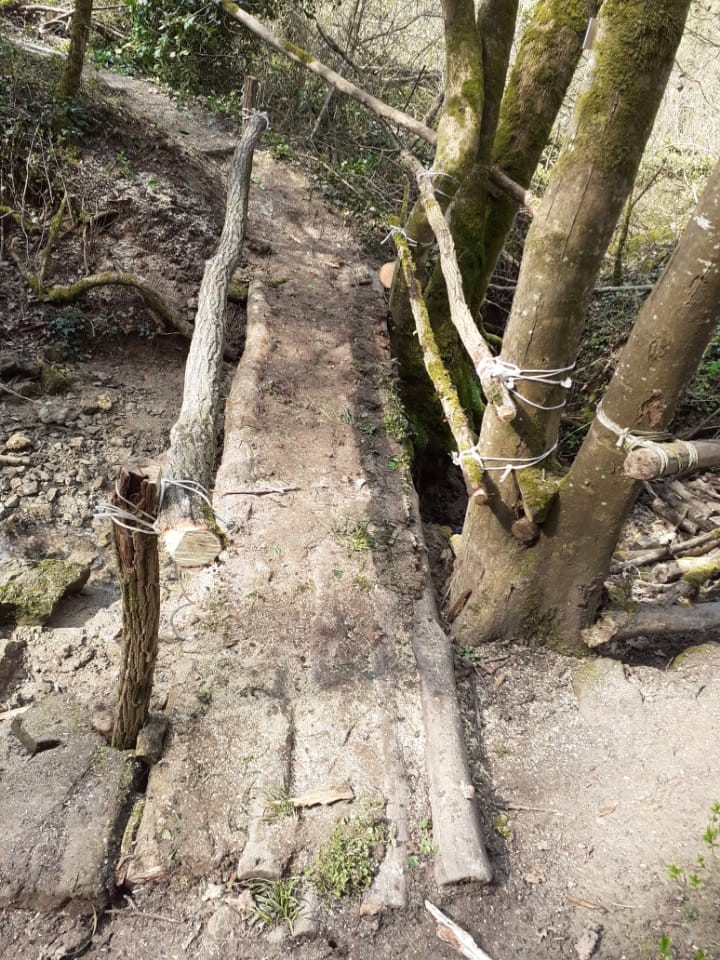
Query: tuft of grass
column 691, row 880
column 355, row 535
column 278, row 803
column 346, row 865
column 276, row 901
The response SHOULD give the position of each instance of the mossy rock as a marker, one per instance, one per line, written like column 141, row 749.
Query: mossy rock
column 52, row 380
column 703, row 653
column 589, row 674
column 31, row 592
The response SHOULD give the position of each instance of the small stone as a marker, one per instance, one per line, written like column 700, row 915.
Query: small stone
column 12, row 501
column 588, row 942
column 51, row 493
column 101, row 719
column 38, row 509
column 17, row 442
column 54, row 413
column 30, row 488
column 11, row 660
column 213, row 891
column 150, row 739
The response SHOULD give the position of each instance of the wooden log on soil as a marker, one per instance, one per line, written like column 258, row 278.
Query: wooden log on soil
column 651, row 619
column 136, row 493
column 238, row 463
column 187, row 523
column 456, row 828
column 667, row 459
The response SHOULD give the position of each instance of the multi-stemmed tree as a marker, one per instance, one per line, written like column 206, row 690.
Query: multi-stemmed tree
column 537, row 539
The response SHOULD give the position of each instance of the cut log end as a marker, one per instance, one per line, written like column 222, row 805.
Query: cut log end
column 506, row 412
column 192, row 546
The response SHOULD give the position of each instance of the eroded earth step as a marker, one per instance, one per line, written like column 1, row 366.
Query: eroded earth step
column 64, row 796
column 253, row 788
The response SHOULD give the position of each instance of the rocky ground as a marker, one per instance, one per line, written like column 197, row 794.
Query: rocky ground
column 291, row 665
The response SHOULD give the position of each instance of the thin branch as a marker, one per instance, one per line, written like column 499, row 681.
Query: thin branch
column 495, row 389
column 437, row 371
column 301, row 57
column 518, row 193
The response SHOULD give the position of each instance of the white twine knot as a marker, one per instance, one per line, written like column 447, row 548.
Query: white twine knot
column 510, row 373
column 142, row 522
column 628, row 440
column 504, row 465
column 399, row 232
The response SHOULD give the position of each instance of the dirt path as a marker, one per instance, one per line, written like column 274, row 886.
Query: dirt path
column 294, row 669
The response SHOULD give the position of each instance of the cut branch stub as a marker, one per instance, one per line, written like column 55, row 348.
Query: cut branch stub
column 137, row 550
column 666, row 459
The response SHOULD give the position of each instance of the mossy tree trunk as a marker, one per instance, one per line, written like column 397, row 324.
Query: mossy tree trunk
column 514, row 129
column 71, row 77
column 511, row 592
column 665, row 348
column 458, row 139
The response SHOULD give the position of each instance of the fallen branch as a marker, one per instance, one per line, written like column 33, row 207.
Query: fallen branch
column 478, row 348
column 652, row 619
column 449, row 932
column 186, row 522
column 695, row 546
column 306, row 60
column 677, row 519
column 8, row 460
column 666, row 459
column 694, row 570
column 438, row 373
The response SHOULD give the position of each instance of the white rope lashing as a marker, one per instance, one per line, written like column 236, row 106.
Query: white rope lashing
column 506, row 465
column 510, row 373
column 648, row 440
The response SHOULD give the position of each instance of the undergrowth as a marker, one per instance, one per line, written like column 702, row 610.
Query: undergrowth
column 698, row 893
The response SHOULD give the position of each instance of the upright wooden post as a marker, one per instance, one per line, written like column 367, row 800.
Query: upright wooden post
column 250, row 89
column 137, row 551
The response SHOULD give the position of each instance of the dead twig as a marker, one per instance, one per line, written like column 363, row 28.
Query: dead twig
column 449, row 932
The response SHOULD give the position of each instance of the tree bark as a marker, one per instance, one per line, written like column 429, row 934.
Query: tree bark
column 458, row 142
column 514, row 592
column 71, row 77
column 186, row 522
column 483, row 214
column 137, row 551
